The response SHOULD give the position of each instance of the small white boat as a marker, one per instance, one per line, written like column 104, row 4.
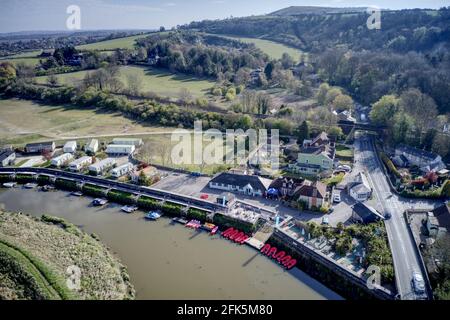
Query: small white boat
column 30, row 185
column 77, row 193
column 129, row 209
column 10, row 184
column 47, row 188
column 99, row 202
column 153, row 215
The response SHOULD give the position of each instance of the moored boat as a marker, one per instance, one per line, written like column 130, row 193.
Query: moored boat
column 10, row 184
column 77, row 193
column 180, row 220
column 214, row 230
column 99, row 202
column 47, row 188
column 129, row 209
column 30, row 185
column 194, row 224
column 153, row 215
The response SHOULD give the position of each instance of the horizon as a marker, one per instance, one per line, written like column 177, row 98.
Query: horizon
column 146, row 15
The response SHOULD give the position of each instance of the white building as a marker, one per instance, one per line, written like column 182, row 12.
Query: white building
column 359, row 188
column 102, row 166
column 70, row 147
column 122, row 170
column 80, row 163
column 128, row 141
column 92, row 146
column 61, row 160
column 7, row 157
column 120, row 149
column 240, row 183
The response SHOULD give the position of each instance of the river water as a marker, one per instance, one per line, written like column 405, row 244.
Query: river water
column 167, row 261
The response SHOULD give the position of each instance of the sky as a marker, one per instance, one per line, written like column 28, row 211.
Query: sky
column 49, row 15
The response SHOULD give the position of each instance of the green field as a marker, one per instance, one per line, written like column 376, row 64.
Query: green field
column 154, row 80
column 272, row 49
column 119, row 43
column 44, row 122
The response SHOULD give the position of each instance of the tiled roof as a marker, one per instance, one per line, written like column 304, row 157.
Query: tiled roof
column 312, row 190
column 417, row 152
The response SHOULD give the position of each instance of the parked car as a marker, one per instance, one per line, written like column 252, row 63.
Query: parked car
column 337, row 197
column 387, row 216
column 325, row 221
column 418, row 283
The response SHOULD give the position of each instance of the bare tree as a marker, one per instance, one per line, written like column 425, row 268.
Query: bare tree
column 134, row 81
column 185, row 95
column 164, row 151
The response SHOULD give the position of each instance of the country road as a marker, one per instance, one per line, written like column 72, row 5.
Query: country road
column 404, row 251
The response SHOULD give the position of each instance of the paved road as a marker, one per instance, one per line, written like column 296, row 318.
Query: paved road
column 404, row 251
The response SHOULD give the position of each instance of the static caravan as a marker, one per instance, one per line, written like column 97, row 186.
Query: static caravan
column 70, row 147
column 102, row 166
column 122, row 170
column 80, row 163
column 128, row 141
column 92, row 146
column 40, row 147
column 120, row 149
column 61, row 160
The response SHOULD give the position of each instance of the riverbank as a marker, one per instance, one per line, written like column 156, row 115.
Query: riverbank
column 39, row 255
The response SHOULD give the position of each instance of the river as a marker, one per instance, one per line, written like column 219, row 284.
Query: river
column 167, row 261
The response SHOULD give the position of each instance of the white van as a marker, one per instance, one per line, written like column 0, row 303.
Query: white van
column 336, row 197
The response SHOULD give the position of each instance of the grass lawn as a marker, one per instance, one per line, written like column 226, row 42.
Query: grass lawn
column 28, row 61
column 343, row 151
column 119, row 43
column 153, row 153
column 273, row 49
column 43, row 122
column 159, row 81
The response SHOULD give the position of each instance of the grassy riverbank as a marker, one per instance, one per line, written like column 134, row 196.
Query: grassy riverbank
column 35, row 255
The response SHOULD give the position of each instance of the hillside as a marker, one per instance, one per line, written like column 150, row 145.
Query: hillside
column 35, row 255
column 298, row 10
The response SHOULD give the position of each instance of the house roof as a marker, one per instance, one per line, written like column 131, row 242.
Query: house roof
column 321, row 138
column 5, row 154
column 39, row 144
column 442, row 214
column 279, row 182
column 416, row 152
column 366, row 213
column 241, row 180
column 312, row 190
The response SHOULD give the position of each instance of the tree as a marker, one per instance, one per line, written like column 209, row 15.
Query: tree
column 134, row 81
column 7, row 74
column 302, row 132
column 52, row 80
column 322, row 93
column 384, row 110
column 335, row 131
column 441, row 145
column 269, row 69
column 403, row 125
column 331, row 95
column 185, row 95
column 342, row 102
column 287, row 61
column 420, row 106
column 263, row 103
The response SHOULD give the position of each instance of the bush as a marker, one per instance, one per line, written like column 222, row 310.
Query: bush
column 94, row 191
column 121, row 197
column 390, row 166
column 66, row 184
column 197, row 214
column 148, row 203
column 172, row 209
